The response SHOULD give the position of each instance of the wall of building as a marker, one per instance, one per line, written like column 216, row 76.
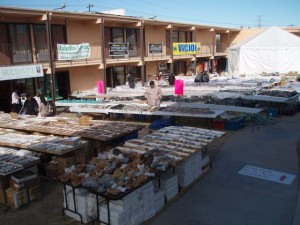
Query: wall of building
column 151, row 70
column 91, row 35
column 84, row 78
column 155, row 34
column 245, row 34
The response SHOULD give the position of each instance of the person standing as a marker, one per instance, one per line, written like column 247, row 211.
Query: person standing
column 153, row 94
column 131, row 81
column 44, row 107
column 158, row 76
column 172, row 79
column 30, row 106
column 15, row 102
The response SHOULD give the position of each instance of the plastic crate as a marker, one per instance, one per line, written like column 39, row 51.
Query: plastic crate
column 128, row 137
column 139, row 117
column 161, row 123
column 218, row 124
column 234, row 124
column 272, row 112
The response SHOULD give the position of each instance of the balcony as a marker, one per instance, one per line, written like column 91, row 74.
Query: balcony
column 94, row 59
column 39, row 53
column 131, row 54
column 156, row 51
column 15, row 54
column 221, row 49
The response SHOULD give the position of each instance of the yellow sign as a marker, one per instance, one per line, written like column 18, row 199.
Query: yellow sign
column 188, row 48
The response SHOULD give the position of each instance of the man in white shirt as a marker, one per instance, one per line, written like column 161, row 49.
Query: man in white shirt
column 15, row 101
column 153, row 94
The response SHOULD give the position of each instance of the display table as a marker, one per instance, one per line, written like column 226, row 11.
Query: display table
column 11, row 161
column 275, row 99
column 166, row 109
column 43, row 144
column 104, row 132
column 111, row 181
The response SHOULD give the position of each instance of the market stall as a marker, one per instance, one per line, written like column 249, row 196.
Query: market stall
column 129, row 184
column 101, row 133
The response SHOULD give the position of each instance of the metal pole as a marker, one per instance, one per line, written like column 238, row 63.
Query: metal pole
column 142, row 52
column 103, row 53
column 171, row 43
column 52, row 81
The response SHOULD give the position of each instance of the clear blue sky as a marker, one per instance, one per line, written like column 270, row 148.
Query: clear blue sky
column 230, row 13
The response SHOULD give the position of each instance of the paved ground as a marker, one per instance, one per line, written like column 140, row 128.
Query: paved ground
column 222, row 196
column 225, row 197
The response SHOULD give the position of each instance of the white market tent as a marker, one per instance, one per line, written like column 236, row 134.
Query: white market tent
column 273, row 50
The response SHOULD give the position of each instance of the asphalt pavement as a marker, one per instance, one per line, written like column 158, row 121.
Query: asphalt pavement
column 253, row 181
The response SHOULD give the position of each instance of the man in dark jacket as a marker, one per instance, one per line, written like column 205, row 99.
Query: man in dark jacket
column 131, row 81
column 30, row 106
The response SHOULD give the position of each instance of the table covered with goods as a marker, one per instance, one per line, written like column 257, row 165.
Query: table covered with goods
column 130, row 183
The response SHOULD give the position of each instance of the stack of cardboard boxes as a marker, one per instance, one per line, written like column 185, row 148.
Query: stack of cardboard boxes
column 24, row 187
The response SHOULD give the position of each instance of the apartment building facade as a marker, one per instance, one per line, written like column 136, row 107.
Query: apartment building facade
column 108, row 48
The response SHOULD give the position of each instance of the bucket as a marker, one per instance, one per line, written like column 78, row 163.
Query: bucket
column 179, row 87
column 100, row 86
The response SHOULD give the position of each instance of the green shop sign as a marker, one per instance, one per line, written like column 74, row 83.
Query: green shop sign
column 73, row 52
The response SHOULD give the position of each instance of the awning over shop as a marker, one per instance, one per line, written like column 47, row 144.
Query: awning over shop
column 20, row 72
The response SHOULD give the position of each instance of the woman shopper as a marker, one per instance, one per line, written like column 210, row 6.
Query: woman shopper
column 44, row 107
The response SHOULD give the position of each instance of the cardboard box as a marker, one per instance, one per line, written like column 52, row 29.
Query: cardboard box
column 85, row 121
column 16, row 198
column 14, row 115
column 34, row 193
column 52, row 170
column 65, row 162
column 23, row 176
column 24, row 185
column 2, row 196
column 4, row 182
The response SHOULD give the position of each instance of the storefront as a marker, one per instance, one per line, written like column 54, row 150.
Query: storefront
column 27, row 79
column 116, row 76
column 30, row 79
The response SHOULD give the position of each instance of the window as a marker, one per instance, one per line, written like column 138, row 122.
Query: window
column 40, row 40
column 182, row 36
column 21, row 47
column 175, row 36
column 131, row 38
column 117, row 35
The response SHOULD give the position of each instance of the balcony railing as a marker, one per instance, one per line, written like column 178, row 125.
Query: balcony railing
column 11, row 54
column 14, row 54
column 28, row 53
column 134, row 52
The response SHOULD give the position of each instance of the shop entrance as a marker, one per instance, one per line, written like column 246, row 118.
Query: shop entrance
column 5, row 96
column 63, row 84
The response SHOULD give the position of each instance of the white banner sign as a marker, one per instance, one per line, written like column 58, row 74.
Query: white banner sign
column 72, row 52
column 266, row 174
column 20, row 72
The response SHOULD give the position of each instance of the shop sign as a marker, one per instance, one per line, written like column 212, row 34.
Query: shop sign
column 189, row 48
column 73, row 52
column 266, row 174
column 21, row 72
column 118, row 49
column 155, row 48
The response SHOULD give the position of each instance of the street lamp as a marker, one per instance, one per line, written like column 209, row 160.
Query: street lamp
column 61, row 7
